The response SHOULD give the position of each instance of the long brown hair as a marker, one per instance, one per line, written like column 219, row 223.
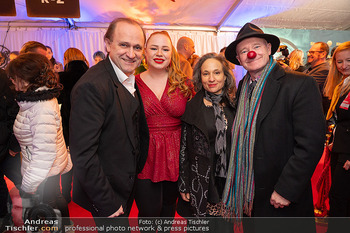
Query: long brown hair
column 33, row 68
column 334, row 76
column 73, row 54
column 176, row 78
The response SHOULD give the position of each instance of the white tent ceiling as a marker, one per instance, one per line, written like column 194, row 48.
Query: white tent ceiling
column 209, row 14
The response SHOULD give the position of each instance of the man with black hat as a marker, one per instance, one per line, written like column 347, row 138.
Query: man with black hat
column 278, row 133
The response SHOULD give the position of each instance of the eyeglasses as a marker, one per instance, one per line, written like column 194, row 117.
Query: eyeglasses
column 312, row 52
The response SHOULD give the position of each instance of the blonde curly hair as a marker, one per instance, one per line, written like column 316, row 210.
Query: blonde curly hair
column 176, row 78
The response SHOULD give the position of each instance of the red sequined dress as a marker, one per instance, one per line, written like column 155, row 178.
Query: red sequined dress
column 163, row 120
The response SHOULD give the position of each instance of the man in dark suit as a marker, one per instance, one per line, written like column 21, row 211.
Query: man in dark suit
column 319, row 68
column 108, row 129
column 278, row 134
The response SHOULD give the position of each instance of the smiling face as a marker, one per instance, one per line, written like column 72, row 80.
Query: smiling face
column 212, row 76
column 158, row 51
column 316, row 55
column 126, row 47
column 342, row 61
column 256, row 64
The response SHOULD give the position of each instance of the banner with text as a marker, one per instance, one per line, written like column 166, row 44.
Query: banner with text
column 53, row 8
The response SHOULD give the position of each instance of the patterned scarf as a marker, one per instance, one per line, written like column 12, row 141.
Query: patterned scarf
column 238, row 194
column 220, row 139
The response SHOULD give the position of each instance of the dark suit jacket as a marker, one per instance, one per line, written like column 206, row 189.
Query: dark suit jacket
column 289, row 143
column 319, row 73
column 342, row 132
column 68, row 78
column 8, row 113
column 103, row 143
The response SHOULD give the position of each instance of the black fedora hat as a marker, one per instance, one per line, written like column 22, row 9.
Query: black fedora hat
column 247, row 31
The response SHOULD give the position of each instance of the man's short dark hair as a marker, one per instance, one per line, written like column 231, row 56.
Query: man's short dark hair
column 99, row 54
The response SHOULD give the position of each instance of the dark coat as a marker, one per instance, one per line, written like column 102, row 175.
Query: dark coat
column 195, row 158
column 289, row 142
column 342, row 133
column 72, row 73
column 8, row 113
column 103, row 142
column 319, row 73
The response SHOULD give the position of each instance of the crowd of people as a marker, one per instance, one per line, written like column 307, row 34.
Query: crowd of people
column 179, row 136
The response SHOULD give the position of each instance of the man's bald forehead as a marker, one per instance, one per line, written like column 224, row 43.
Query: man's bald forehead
column 182, row 41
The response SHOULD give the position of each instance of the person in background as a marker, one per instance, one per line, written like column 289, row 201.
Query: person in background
column 319, row 68
column 13, row 55
column 35, row 47
column 277, row 136
column 337, row 88
column 38, row 129
column 206, row 138
column 165, row 91
column 108, row 133
column 75, row 65
column 98, row 56
column 296, row 61
column 57, row 66
column 185, row 48
column 10, row 159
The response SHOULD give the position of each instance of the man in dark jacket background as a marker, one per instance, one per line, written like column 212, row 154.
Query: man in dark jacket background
column 319, row 68
column 10, row 161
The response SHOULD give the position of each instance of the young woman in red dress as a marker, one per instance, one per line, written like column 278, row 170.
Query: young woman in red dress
column 165, row 91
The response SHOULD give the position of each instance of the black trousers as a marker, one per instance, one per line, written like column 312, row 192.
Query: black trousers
column 66, row 184
column 339, row 194
column 53, row 197
column 156, row 199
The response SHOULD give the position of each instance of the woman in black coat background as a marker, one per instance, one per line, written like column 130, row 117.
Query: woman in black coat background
column 75, row 65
